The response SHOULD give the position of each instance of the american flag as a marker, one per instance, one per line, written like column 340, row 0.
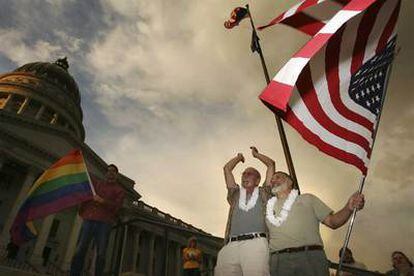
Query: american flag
column 331, row 91
column 305, row 22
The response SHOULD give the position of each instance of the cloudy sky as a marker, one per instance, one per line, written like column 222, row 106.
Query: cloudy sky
column 169, row 95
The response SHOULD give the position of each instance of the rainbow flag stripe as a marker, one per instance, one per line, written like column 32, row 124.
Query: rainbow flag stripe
column 65, row 184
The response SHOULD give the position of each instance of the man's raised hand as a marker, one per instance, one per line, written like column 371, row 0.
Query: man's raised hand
column 255, row 152
column 240, row 157
column 98, row 199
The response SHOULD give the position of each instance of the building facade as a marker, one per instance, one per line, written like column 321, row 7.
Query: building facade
column 40, row 121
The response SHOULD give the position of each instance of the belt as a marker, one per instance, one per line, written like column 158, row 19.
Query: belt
column 246, row 237
column 299, row 249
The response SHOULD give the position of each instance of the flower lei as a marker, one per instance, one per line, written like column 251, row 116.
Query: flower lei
column 277, row 221
column 252, row 201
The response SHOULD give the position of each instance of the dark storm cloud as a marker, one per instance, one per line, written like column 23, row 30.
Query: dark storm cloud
column 39, row 19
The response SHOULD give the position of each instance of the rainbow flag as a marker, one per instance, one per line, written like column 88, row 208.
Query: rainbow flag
column 65, row 184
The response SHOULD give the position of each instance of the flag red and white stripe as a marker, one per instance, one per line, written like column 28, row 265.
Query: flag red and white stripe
column 312, row 87
column 297, row 18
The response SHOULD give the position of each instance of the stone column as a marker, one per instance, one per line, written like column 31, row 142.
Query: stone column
column 172, row 258
column 7, row 104
column 178, row 259
column 135, row 250
column 168, row 257
column 151, row 244
column 28, row 181
column 160, row 256
column 114, row 253
column 71, row 243
column 110, row 251
column 124, row 242
column 36, row 258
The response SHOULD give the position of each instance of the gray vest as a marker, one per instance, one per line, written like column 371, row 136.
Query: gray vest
column 247, row 222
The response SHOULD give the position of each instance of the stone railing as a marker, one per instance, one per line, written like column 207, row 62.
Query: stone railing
column 355, row 271
column 165, row 216
column 52, row 269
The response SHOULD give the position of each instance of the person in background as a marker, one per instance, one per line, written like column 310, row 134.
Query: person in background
column 350, row 262
column 98, row 216
column 401, row 264
column 192, row 257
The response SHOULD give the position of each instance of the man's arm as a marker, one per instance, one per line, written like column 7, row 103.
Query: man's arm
column 270, row 164
column 228, row 171
column 185, row 255
column 338, row 219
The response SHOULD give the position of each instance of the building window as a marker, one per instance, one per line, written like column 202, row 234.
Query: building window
column 32, row 108
column 16, row 102
column 72, row 129
column 3, row 99
column 47, row 115
column 46, row 255
column 54, row 119
column 60, row 121
column 54, row 228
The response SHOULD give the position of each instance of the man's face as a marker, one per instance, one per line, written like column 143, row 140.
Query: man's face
column 111, row 174
column 250, row 178
column 281, row 182
column 398, row 260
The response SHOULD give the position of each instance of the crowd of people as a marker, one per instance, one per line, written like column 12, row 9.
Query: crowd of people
column 402, row 266
column 272, row 229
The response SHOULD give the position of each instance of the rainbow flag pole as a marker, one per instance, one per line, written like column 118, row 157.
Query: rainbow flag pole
column 65, row 184
column 89, row 178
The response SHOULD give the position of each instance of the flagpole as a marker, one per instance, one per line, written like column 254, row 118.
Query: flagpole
column 362, row 182
column 89, row 177
column 279, row 123
column 350, row 226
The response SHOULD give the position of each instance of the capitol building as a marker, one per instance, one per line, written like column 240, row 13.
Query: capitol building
column 40, row 121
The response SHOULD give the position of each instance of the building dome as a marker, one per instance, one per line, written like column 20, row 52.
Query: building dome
column 56, row 72
column 43, row 92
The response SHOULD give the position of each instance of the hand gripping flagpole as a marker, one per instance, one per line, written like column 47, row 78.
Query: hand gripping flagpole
column 282, row 134
column 362, row 182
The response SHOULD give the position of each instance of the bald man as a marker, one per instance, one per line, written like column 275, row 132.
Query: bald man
column 246, row 249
